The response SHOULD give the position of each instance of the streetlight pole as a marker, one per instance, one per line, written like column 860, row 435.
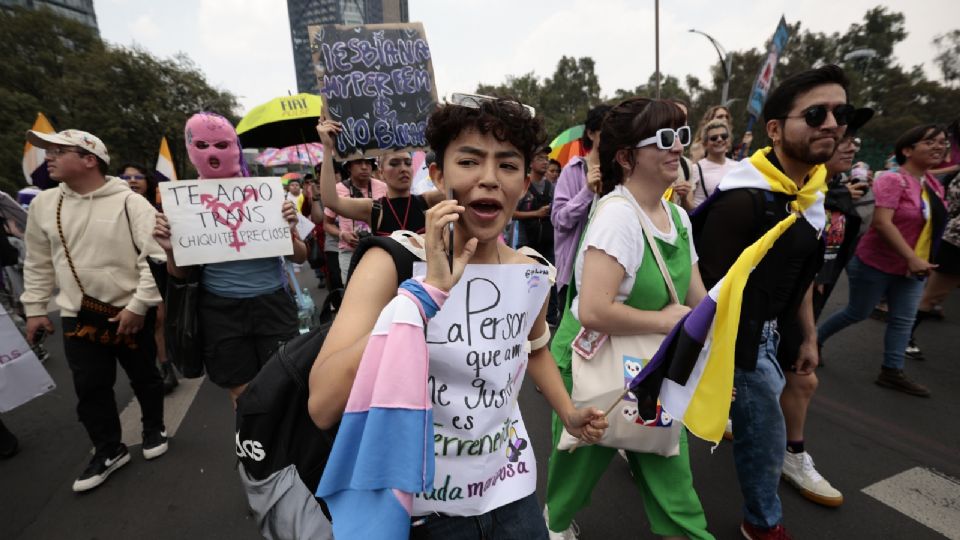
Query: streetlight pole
column 725, row 61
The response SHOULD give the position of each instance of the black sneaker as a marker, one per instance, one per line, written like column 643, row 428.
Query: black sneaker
column 169, row 377
column 100, row 468
column 897, row 380
column 913, row 352
column 154, row 444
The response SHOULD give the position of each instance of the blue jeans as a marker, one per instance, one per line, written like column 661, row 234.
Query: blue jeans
column 759, row 432
column 867, row 287
column 519, row 520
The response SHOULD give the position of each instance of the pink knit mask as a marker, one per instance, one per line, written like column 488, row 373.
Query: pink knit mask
column 212, row 146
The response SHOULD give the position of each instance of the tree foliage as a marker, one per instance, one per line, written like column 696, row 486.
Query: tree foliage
column 127, row 97
column 902, row 97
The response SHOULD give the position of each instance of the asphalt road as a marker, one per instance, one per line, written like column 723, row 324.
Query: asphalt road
column 859, row 434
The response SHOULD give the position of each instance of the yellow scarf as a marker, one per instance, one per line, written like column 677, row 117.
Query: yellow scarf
column 706, row 415
column 925, row 240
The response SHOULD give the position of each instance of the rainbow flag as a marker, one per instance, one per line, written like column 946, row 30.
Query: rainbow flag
column 383, row 453
column 34, row 159
column 692, row 372
column 164, row 170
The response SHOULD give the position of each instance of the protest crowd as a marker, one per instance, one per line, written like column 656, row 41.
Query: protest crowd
column 668, row 281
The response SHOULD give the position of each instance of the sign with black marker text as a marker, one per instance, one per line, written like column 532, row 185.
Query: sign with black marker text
column 226, row 219
column 377, row 80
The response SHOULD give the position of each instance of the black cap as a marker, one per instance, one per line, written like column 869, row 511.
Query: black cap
column 858, row 120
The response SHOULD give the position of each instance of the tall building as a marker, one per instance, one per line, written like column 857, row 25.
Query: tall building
column 78, row 10
column 304, row 13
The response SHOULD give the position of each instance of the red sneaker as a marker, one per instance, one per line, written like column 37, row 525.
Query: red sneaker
column 752, row 532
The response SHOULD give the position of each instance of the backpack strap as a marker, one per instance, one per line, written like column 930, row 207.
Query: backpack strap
column 402, row 255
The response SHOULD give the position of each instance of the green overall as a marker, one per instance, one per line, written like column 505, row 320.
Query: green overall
column 666, row 483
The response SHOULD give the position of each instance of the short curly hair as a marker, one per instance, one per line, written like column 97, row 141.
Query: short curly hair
column 504, row 118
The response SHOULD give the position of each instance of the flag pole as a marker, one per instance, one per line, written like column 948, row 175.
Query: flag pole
column 656, row 33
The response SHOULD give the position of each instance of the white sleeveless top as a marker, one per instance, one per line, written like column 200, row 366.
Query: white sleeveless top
column 478, row 359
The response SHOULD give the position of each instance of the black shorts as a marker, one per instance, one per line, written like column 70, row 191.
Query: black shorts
column 240, row 334
column 948, row 257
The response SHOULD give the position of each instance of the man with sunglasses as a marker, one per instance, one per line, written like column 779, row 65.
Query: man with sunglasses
column 777, row 195
column 91, row 237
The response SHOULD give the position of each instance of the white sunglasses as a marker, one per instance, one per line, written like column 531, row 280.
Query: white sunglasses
column 665, row 137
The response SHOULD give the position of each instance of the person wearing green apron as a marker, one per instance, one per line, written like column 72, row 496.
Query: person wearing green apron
column 618, row 289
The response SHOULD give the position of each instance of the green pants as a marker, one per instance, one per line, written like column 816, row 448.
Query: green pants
column 666, row 484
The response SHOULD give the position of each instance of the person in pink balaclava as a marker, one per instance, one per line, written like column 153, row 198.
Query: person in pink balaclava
column 245, row 310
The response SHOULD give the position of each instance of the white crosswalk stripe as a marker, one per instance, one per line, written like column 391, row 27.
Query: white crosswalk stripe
column 924, row 495
column 175, row 407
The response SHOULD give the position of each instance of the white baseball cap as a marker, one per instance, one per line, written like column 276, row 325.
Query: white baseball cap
column 70, row 137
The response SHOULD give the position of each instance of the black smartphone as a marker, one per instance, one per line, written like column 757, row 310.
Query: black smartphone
column 450, row 195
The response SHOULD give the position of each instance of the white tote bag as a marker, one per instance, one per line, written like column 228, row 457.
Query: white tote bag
column 602, row 370
column 22, row 376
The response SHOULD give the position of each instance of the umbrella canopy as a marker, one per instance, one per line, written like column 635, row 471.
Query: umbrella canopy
column 280, row 122
column 308, row 154
column 567, row 145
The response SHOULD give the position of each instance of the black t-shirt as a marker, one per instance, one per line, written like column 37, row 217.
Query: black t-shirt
column 538, row 231
column 399, row 214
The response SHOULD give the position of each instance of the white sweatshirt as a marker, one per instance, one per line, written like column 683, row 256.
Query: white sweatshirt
column 99, row 239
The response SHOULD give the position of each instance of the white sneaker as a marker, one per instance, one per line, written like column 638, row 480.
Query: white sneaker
column 798, row 470
column 571, row 533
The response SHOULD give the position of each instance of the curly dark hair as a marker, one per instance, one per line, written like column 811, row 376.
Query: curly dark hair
column 504, row 118
column 628, row 123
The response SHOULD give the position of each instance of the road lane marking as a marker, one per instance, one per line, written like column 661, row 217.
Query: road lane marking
column 175, row 407
column 924, row 495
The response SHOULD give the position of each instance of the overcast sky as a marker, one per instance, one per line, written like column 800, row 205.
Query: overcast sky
column 244, row 45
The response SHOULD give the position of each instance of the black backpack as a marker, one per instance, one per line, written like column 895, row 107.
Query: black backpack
column 275, row 436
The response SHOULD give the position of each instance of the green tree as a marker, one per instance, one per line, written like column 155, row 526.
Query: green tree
column 127, row 97
column 948, row 55
column 561, row 100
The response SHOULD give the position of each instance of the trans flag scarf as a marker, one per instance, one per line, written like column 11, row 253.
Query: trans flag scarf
column 383, row 452
column 692, row 373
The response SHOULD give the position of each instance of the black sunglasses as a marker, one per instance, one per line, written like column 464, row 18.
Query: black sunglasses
column 815, row 116
column 133, row 177
column 722, row 136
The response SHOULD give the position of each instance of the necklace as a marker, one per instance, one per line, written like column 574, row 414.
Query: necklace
column 403, row 226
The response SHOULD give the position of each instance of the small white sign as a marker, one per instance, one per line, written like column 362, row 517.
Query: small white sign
column 304, row 226
column 22, row 377
column 221, row 220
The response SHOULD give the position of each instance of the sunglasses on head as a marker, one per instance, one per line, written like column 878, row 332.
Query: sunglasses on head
column 665, row 137
column 815, row 116
column 720, row 137
column 129, row 177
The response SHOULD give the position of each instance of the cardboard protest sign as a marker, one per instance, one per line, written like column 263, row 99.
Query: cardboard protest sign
column 226, row 219
column 22, row 376
column 478, row 360
column 377, row 80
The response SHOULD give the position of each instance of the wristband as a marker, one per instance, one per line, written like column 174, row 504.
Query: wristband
column 541, row 341
column 426, row 299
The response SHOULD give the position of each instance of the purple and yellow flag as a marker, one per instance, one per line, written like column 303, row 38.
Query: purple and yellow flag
column 692, row 372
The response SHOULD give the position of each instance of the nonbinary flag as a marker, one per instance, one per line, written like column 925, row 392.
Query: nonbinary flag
column 164, row 169
column 692, row 372
column 383, row 453
column 34, row 159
